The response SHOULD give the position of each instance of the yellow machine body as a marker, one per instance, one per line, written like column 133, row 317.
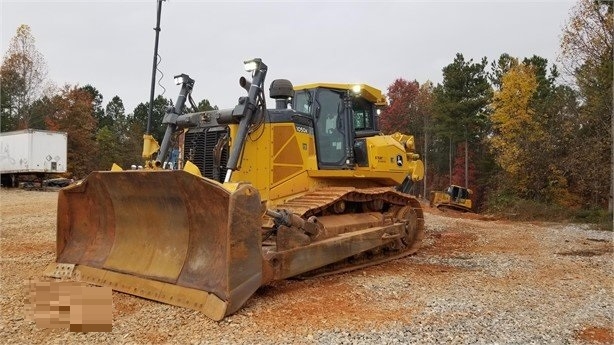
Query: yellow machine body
column 292, row 169
column 454, row 197
column 206, row 237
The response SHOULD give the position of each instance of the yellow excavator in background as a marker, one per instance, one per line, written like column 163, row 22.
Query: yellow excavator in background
column 310, row 187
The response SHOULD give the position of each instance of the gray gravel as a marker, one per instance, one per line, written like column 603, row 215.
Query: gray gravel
column 474, row 282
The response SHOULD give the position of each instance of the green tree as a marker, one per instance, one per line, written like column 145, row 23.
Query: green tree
column 108, row 147
column 424, row 140
column 115, row 110
column 22, row 74
column 205, row 105
column 504, row 63
column 9, row 88
column 555, row 109
column 132, row 145
column 73, row 113
column 97, row 108
column 532, row 121
column 40, row 109
column 113, row 137
column 139, row 117
column 136, row 124
column 460, row 107
column 126, row 150
column 587, row 48
column 115, row 113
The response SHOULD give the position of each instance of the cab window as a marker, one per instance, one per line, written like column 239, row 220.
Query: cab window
column 303, row 101
column 363, row 114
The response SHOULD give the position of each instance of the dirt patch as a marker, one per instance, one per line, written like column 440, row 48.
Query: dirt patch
column 124, row 305
column 598, row 240
column 590, row 248
column 586, row 252
column 449, row 242
column 596, row 335
column 404, row 268
column 21, row 248
column 450, row 213
column 342, row 306
column 152, row 338
column 434, row 270
column 468, row 272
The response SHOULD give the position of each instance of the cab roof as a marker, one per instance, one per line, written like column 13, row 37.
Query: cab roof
column 368, row 92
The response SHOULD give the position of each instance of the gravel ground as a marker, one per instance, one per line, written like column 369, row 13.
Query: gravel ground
column 476, row 280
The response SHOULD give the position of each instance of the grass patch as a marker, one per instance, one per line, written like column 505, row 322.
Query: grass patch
column 600, row 217
column 514, row 208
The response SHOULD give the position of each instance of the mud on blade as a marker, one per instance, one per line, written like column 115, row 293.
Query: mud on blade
column 164, row 235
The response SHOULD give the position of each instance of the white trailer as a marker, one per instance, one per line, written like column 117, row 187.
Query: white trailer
column 32, row 151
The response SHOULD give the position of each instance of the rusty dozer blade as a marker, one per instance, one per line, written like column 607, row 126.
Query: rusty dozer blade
column 164, row 235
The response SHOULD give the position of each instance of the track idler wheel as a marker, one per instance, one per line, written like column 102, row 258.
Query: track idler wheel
column 414, row 231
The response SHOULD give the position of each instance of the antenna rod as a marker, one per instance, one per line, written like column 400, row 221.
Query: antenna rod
column 153, row 69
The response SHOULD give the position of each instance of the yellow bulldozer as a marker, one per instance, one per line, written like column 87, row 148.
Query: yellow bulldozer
column 453, row 198
column 310, row 187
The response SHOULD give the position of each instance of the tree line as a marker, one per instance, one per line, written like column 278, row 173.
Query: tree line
column 513, row 130
column 98, row 134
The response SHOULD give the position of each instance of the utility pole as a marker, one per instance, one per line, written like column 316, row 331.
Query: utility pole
column 466, row 159
column 425, row 157
column 153, row 69
column 450, row 159
column 611, row 199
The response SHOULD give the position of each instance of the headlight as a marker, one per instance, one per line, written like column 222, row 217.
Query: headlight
column 251, row 65
column 356, row 89
column 179, row 79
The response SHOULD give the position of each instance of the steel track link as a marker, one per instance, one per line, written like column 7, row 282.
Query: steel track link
column 320, row 201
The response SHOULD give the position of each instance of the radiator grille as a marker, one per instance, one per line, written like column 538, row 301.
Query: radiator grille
column 199, row 145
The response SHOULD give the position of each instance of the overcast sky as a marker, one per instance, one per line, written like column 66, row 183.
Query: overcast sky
column 109, row 44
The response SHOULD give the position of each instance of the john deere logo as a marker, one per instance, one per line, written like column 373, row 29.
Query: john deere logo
column 399, row 160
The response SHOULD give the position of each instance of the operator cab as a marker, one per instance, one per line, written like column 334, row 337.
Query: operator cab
column 342, row 114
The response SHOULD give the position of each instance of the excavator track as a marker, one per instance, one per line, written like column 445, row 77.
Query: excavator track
column 393, row 205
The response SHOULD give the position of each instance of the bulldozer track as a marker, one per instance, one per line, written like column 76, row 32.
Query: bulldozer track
column 315, row 202
column 327, row 271
column 323, row 200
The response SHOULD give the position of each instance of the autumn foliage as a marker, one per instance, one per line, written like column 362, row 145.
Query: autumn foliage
column 515, row 133
column 514, row 122
column 403, row 107
column 72, row 113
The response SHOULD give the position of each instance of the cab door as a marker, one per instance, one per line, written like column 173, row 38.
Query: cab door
column 331, row 111
column 333, row 130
